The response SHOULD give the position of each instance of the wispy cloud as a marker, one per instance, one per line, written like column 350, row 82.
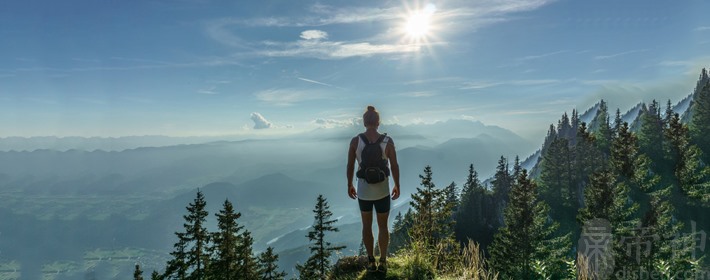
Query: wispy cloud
column 476, row 85
column 335, row 50
column 330, row 123
column 314, row 43
column 601, row 57
column 418, row 94
column 702, row 28
column 208, row 90
column 288, row 97
column 318, row 83
column 533, row 57
column 314, row 35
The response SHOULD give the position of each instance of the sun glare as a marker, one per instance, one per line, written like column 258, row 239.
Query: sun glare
column 418, row 23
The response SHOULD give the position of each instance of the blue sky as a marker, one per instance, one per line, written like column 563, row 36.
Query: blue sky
column 201, row 67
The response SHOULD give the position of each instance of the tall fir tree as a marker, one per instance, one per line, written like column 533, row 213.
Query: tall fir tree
column 608, row 198
column 425, row 203
column 556, row 173
column 602, row 130
column 448, row 206
column 191, row 255
column 400, row 236
column 501, row 184
column 527, row 235
column 268, row 267
column 318, row 264
column 624, row 149
column 138, row 273
column 249, row 266
column 700, row 121
column 476, row 214
column 228, row 261
column 650, row 135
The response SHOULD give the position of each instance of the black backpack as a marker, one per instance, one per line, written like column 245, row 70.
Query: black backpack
column 373, row 167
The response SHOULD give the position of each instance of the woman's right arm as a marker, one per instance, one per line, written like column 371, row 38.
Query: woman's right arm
column 350, row 172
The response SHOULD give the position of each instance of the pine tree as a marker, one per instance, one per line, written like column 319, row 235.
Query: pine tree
column 475, row 214
column 526, row 235
column 555, row 173
column 700, row 121
column 424, row 203
column 624, row 149
column 400, row 232
column 268, row 268
column 155, row 276
column 448, row 207
column 603, row 131
column 228, row 261
column 318, row 264
column 617, row 122
column 608, row 198
column 138, row 273
column 190, row 255
column 249, row 265
column 651, row 133
column 693, row 175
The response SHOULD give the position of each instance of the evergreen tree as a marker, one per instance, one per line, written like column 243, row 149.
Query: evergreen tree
column 693, row 175
column 623, row 152
column 249, row 266
column 268, row 268
column 190, row 255
column 138, row 273
column 603, row 131
column 425, row 203
column 448, row 208
column 700, row 121
column 400, row 232
column 155, row 276
column 555, row 173
column 318, row 264
column 617, row 122
column 228, row 259
column 526, row 235
column 607, row 198
column 476, row 214
column 651, row 133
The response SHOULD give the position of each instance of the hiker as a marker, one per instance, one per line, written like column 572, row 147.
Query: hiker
column 376, row 157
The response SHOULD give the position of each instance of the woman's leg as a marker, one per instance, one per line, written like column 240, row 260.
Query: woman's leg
column 367, row 238
column 383, row 236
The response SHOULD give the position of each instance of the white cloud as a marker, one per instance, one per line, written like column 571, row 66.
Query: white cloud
column 313, row 43
column 330, row 123
column 600, row 57
column 419, row 94
column 335, row 50
column 288, row 97
column 314, row 35
column 259, row 121
column 702, row 28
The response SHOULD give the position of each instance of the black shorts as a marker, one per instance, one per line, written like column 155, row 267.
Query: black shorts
column 381, row 205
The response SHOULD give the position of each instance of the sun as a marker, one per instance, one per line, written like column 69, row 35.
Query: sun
column 418, row 23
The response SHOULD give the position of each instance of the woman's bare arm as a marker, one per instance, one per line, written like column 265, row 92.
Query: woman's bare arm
column 350, row 172
column 394, row 167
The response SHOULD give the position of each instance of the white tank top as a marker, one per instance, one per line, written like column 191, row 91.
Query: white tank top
column 367, row 191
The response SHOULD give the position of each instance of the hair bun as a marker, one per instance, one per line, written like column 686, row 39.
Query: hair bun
column 370, row 108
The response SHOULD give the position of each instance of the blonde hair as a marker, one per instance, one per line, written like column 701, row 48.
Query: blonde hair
column 371, row 117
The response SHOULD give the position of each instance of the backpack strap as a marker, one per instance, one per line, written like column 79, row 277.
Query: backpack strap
column 367, row 141
column 364, row 138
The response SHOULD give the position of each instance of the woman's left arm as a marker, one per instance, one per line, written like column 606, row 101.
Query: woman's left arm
column 394, row 167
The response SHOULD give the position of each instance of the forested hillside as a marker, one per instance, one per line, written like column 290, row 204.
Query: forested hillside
column 606, row 199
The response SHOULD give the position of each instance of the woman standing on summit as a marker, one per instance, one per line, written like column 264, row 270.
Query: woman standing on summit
column 376, row 157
